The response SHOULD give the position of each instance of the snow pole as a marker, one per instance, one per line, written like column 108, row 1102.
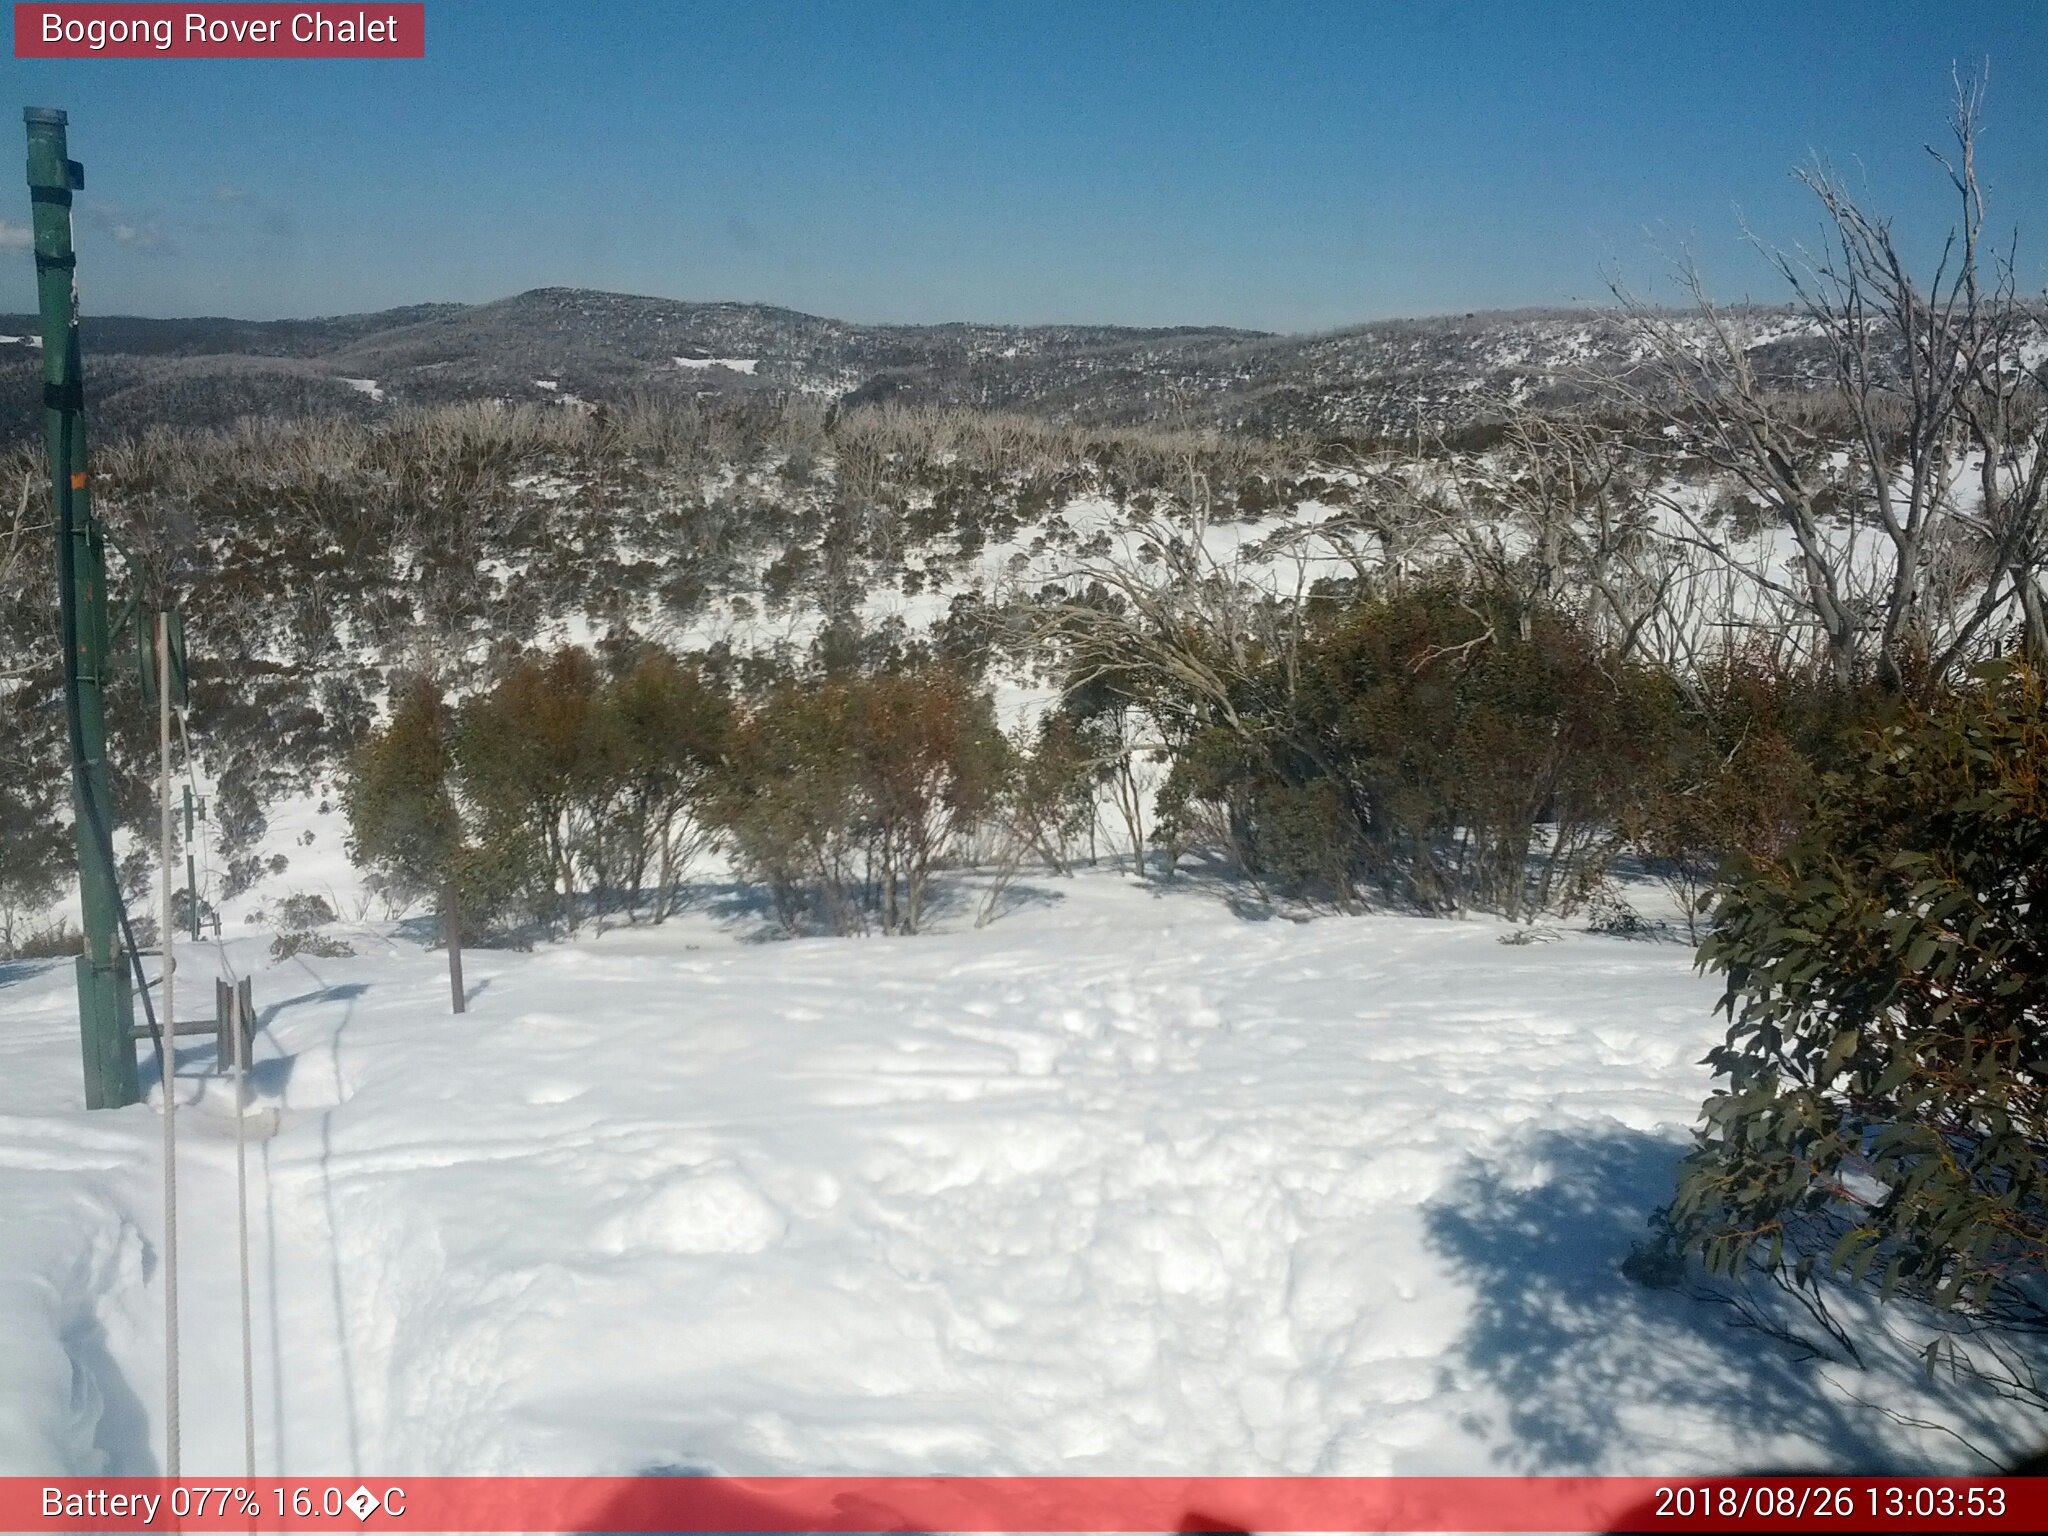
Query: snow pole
column 240, row 1014
column 105, row 998
column 168, row 1046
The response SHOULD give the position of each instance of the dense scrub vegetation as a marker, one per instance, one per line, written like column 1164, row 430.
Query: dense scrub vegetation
column 1421, row 746
column 317, row 559
column 1468, row 679
column 1411, row 749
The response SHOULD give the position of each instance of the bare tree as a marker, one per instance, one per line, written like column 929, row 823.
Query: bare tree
column 16, row 545
column 1894, row 564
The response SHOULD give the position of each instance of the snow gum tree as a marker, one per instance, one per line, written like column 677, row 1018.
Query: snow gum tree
column 405, row 819
column 845, row 794
column 531, row 754
column 664, row 727
column 1882, row 1113
column 1912, row 493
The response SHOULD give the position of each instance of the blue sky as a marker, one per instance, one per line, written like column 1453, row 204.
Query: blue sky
column 1287, row 166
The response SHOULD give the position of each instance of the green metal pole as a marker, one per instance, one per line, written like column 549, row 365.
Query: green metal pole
column 105, row 994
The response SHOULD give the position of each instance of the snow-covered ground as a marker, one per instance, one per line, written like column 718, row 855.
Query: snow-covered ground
column 735, row 364
column 1134, row 1179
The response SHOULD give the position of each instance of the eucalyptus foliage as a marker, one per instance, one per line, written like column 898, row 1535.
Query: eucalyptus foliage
column 1881, row 1116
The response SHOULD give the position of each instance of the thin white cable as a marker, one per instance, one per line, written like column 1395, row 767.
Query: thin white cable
column 168, row 1055
column 205, row 852
column 242, row 1025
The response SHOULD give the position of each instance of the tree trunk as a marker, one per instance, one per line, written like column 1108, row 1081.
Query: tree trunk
column 451, row 935
column 664, row 888
column 2034, row 618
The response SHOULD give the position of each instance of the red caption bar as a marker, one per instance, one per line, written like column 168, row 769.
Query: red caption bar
column 100, row 31
column 1015, row 1504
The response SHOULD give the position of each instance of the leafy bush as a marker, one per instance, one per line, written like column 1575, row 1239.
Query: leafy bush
column 1747, row 761
column 288, row 942
column 304, row 909
column 529, row 759
column 1887, row 987
column 582, row 778
column 411, row 824
column 662, row 728
column 1609, row 913
column 48, row 941
column 843, row 795
column 1442, row 745
column 299, row 918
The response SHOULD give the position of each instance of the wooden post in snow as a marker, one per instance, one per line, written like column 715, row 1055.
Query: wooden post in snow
column 451, row 935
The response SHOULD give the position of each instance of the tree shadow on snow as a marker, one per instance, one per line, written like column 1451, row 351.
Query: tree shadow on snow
column 423, row 929
column 270, row 1073
column 739, row 904
column 346, row 992
column 749, row 911
column 1019, row 896
column 1206, row 873
column 269, row 1076
column 1596, row 1372
column 12, row 971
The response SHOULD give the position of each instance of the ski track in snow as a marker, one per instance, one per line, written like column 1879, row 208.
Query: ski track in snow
column 1122, row 1183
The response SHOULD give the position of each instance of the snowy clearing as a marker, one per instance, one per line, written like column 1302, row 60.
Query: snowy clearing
column 736, row 364
column 1129, row 1181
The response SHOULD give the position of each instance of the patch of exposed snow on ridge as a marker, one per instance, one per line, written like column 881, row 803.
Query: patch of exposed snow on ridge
column 736, row 364
column 368, row 387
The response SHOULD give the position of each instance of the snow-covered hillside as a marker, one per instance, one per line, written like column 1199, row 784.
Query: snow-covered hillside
column 1380, row 377
column 1132, row 1179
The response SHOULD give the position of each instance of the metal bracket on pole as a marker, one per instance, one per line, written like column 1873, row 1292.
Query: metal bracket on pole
column 234, row 1014
column 145, row 654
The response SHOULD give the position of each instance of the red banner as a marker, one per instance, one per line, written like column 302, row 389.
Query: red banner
column 101, row 31
column 1015, row 1504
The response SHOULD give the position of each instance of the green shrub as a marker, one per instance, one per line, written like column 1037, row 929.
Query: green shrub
column 533, row 763
column 1443, row 745
column 411, row 823
column 304, row 909
column 662, row 729
column 299, row 941
column 1746, row 767
column 843, row 795
column 48, row 941
column 1882, row 1115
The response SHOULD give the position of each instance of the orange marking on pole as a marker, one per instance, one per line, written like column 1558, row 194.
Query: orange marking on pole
column 78, row 482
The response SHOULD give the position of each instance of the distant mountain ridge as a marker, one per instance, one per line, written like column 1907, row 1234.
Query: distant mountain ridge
column 570, row 345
